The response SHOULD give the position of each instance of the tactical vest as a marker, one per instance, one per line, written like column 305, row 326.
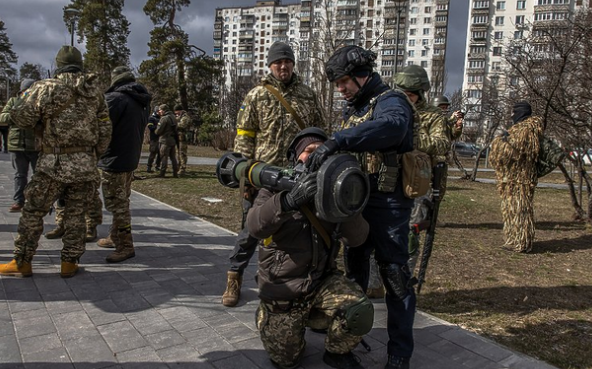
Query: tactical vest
column 371, row 162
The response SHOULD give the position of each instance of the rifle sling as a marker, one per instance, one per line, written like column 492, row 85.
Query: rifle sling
column 286, row 105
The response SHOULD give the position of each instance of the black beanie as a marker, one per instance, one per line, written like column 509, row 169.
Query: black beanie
column 178, row 107
column 304, row 142
column 521, row 111
column 278, row 51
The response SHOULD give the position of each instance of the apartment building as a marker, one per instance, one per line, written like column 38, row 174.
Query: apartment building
column 242, row 35
column 491, row 26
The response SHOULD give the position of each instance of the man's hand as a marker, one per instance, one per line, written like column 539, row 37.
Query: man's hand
column 317, row 158
column 302, row 192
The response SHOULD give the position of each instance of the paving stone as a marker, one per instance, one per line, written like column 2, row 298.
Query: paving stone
column 32, row 327
column 36, row 344
column 9, row 350
column 103, row 312
column 75, row 325
column 128, row 301
column 165, row 339
column 122, row 336
column 90, row 353
column 48, row 359
column 148, row 322
column 140, row 358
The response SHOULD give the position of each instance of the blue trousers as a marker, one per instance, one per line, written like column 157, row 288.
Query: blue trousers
column 389, row 229
column 21, row 160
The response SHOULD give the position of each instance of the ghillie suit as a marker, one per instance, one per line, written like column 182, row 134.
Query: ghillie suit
column 514, row 156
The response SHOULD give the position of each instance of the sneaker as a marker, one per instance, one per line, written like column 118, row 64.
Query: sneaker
column 397, row 362
column 15, row 208
column 342, row 361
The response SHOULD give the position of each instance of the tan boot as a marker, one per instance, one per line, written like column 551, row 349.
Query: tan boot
column 25, row 270
column 124, row 249
column 55, row 233
column 233, row 288
column 91, row 234
column 68, row 269
column 110, row 241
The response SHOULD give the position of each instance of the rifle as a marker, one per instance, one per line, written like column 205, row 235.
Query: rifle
column 438, row 174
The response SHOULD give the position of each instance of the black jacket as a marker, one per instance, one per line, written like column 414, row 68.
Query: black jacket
column 129, row 107
column 152, row 124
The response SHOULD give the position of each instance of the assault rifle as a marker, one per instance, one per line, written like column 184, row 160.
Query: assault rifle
column 438, row 175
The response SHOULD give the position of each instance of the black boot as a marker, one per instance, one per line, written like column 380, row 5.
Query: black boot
column 342, row 361
column 397, row 362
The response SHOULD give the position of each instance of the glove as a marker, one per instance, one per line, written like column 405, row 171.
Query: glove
column 300, row 194
column 317, row 158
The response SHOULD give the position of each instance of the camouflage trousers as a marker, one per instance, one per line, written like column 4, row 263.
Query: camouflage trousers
column 282, row 328
column 518, row 214
column 182, row 156
column 117, row 188
column 93, row 215
column 40, row 194
column 168, row 152
column 154, row 154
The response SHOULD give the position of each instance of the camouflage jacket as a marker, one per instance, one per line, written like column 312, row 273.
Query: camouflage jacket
column 19, row 139
column 264, row 128
column 76, row 125
column 167, row 129
column 514, row 156
column 434, row 138
column 183, row 126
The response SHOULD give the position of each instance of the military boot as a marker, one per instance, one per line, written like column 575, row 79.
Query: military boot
column 161, row 174
column 91, row 234
column 55, row 233
column 110, row 241
column 124, row 249
column 68, row 270
column 233, row 288
column 12, row 268
column 149, row 170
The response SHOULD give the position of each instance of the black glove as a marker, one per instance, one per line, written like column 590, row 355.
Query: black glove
column 302, row 192
column 317, row 158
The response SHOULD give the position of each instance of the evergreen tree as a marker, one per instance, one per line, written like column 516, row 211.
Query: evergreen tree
column 104, row 27
column 7, row 57
column 33, row 71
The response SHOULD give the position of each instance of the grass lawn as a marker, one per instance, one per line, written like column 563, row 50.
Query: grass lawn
column 538, row 303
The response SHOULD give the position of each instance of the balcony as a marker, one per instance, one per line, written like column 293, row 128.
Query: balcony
column 217, row 35
column 246, row 34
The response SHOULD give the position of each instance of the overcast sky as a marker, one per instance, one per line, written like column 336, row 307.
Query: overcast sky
column 37, row 31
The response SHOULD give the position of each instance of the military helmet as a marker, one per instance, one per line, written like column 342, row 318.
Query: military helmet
column 347, row 60
column 312, row 132
column 68, row 55
column 412, row 78
column 441, row 100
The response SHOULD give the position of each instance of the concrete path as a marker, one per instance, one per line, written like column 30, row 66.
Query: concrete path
column 162, row 308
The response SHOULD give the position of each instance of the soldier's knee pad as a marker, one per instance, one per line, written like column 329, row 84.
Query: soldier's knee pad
column 396, row 279
column 359, row 317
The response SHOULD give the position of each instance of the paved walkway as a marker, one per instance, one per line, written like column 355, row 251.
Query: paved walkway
column 162, row 308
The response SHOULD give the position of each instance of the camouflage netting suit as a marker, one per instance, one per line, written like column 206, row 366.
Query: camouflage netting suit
column 514, row 159
column 76, row 129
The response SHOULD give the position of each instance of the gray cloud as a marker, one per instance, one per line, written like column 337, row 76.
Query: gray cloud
column 37, row 31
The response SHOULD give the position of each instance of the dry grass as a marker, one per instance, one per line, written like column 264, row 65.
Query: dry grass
column 538, row 303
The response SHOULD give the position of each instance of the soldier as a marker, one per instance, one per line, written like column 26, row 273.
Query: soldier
column 154, row 146
column 129, row 108
column 454, row 121
column 378, row 125
column 76, row 130
column 167, row 131
column 514, row 156
column 433, row 139
column 23, row 149
column 299, row 284
column 183, row 127
column 270, row 117
column 93, row 216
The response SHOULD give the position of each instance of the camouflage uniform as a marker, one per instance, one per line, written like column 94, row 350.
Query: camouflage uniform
column 93, row 215
column 514, row 159
column 183, row 126
column 264, row 128
column 76, row 128
column 166, row 130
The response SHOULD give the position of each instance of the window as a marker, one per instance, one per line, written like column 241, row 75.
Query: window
column 521, row 4
column 411, row 42
column 424, row 53
column 427, row 20
column 498, row 35
column 475, row 94
column 500, row 5
column 412, row 32
column 499, row 21
column 475, row 78
column 426, row 31
column 411, row 53
column 425, row 42
column 497, row 51
column 428, row 9
column 519, row 19
column 424, row 64
column 481, row 4
column 476, row 64
column 480, row 19
column 413, row 21
column 496, row 66
column 518, row 35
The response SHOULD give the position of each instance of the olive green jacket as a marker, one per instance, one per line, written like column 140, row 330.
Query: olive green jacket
column 19, row 139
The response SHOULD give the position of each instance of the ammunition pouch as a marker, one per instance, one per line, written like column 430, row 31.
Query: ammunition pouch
column 388, row 172
column 396, row 279
column 359, row 317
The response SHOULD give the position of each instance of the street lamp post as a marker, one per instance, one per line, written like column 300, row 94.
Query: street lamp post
column 72, row 14
column 400, row 5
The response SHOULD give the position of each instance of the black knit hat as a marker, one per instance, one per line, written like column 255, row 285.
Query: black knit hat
column 278, row 51
column 303, row 139
column 178, row 107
